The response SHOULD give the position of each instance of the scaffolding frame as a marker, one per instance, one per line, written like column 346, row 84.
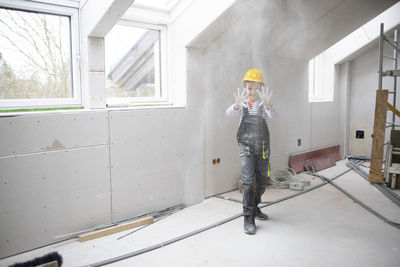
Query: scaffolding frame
column 393, row 73
column 390, row 172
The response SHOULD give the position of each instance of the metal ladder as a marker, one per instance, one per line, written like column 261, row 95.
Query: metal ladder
column 391, row 170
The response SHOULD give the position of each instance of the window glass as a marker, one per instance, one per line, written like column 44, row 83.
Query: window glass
column 154, row 2
column 132, row 63
column 35, row 55
column 167, row 5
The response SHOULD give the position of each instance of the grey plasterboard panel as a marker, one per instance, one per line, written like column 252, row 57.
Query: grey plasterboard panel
column 37, row 133
column 324, row 124
column 297, row 29
column 52, row 193
column 195, row 60
column 195, row 89
column 336, row 24
column 229, row 17
column 220, row 130
column 220, row 142
column 157, row 159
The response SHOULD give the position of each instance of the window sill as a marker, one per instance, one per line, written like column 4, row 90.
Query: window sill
column 42, row 111
column 319, row 100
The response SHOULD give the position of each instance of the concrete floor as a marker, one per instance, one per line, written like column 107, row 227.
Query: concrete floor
column 319, row 228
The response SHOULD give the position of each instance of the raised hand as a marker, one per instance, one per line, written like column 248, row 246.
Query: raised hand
column 265, row 96
column 239, row 98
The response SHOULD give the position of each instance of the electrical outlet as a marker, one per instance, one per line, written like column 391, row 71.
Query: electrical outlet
column 299, row 142
column 359, row 134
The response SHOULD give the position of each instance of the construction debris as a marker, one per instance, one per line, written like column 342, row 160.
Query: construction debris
column 315, row 160
column 288, row 179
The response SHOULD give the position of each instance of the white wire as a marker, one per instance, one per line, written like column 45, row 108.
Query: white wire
column 281, row 179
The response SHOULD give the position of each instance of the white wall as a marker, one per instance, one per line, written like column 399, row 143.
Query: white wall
column 363, row 83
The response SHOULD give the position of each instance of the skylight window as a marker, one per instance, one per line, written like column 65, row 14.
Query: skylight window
column 164, row 5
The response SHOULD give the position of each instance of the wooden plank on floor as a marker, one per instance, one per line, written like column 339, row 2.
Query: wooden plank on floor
column 378, row 140
column 115, row 229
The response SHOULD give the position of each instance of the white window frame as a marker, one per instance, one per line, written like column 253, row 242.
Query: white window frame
column 312, row 88
column 164, row 99
column 320, row 79
column 55, row 9
column 152, row 5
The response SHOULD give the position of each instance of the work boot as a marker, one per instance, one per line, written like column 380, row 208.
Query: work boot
column 261, row 215
column 249, row 225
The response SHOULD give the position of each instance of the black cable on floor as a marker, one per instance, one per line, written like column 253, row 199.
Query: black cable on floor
column 228, row 198
column 383, row 189
column 157, row 217
column 397, row 225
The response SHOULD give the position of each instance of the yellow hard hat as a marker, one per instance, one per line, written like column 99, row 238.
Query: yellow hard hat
column 253, row 75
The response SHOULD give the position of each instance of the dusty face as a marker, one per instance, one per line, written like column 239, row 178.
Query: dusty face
column 251, row 90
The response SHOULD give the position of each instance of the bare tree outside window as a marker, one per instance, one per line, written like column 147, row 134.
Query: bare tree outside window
column 35, row 55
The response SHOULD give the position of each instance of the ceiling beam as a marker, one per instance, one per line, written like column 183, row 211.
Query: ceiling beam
column 99, row 16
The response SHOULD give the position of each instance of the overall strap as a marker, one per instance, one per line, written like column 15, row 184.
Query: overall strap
column 245, row 111
column 260, row 110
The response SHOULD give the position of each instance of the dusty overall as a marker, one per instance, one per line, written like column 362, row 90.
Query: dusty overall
column 253, row 139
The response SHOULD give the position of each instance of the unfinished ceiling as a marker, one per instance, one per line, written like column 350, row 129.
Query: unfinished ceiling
column 296, row 28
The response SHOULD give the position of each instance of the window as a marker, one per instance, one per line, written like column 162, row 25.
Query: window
column 312, row 93
column 134, row 64
column 37, row 44
column 162, row 5
column 320, row 79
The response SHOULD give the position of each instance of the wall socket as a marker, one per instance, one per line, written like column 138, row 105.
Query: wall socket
column 299, row 142
column 359, row 134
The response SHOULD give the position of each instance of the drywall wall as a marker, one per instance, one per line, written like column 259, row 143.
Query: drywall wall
column 225, row 69
column 59, row 175
column 226, row 56
column 156, row 160
column 316, row 124
column 54, row 177
column 278, row 37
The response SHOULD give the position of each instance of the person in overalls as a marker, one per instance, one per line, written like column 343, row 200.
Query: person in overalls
column 253, row 105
